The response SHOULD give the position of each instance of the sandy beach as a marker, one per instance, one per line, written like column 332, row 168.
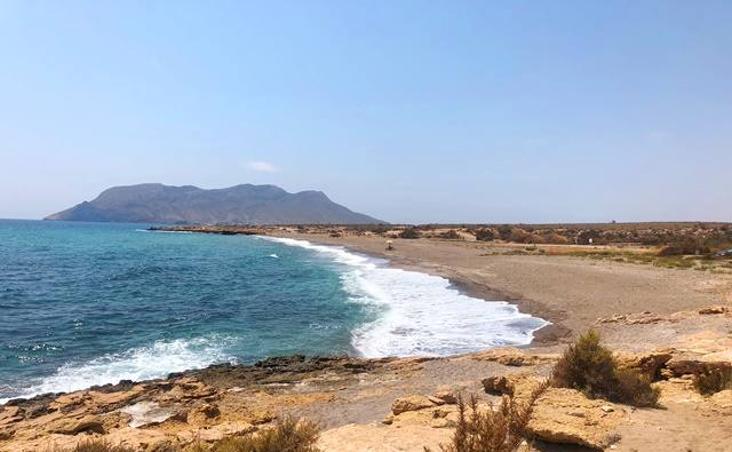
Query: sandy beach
column 571, row 292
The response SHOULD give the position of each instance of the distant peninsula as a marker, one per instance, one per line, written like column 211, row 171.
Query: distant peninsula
column 240, row 204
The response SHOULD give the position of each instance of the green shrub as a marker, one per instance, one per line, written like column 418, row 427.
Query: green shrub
column 589, row 367
column 713, row 380
column 501, row 428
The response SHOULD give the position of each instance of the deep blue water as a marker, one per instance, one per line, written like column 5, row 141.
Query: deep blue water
column 94, row 303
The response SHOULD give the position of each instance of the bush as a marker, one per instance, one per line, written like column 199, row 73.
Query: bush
column 287, row 435
column 485, row 235
column 713, row 380
column 450, row 235
column 555, row 239
column 409, row 233
column 504, row 232
column 501, row 428
column 589, row 367
column 684, row 247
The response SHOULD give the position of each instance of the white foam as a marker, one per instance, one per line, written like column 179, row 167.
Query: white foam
column 274, row 256
column 421, row 314
column 144, row 363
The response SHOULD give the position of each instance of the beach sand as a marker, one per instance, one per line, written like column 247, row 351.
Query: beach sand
column 571, row 292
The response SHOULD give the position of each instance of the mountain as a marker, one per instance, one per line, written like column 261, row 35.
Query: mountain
column 241, row 204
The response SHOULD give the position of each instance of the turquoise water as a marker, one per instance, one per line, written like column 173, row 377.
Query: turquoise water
column 94, row 303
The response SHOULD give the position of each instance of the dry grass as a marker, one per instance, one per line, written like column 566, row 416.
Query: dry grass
column 713, row 380
column 500, row 428
column 589, row 367
column 287, row 435
column 94, row 445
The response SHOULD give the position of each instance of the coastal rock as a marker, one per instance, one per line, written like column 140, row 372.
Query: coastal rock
column 519, row 386
column 217, row 432
column 679, row 366
column 650, row 363
column 10, row 415
column 111, row 400
column 148, row 440
column 147, row 413
column 513, row 357
column 711, row 310
column 566, row 416
column 70, row 426
column 446, row 395
column 410, row 403
column 189, row 388
column 722, row 401
column 202, row 413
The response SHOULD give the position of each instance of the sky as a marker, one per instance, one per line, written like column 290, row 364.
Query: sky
column 410, row 111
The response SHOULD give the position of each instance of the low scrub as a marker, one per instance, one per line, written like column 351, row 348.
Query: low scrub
column 287, row 435
column 96, row 445
column 685, row 247
column 485, row 235
column 713, row 380
column 410, row 233
column 500, row 428
column 450, row 235
column 589, row 367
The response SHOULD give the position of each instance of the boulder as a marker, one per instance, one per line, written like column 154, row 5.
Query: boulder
column 410, row 403
column 566, row 416
column 520, row 385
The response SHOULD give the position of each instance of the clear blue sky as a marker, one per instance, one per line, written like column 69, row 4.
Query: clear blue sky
column 444, row 111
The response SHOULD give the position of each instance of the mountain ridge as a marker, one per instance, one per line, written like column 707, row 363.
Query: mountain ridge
column 188, row 204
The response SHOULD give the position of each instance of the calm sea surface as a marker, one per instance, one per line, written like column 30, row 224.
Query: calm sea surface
column 92, row 303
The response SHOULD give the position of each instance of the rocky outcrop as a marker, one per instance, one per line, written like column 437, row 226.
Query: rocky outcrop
column 514, row 357
column 566, row 416
column 411, row 403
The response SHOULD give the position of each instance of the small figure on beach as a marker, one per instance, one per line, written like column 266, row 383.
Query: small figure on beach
column 389, row 245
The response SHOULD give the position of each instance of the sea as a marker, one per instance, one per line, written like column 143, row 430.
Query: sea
column 84, row 304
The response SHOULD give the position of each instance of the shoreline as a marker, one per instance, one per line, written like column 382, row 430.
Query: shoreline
column 551, row 334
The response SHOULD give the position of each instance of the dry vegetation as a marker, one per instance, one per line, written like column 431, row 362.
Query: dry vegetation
column 287, row 435
column 589, row 367
column 713, row 380
column 499, row 428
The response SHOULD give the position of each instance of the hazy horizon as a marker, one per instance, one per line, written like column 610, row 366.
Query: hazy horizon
column 412, row 112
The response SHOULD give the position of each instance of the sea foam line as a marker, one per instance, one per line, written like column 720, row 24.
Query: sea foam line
column 421, row 314
column 142, row 363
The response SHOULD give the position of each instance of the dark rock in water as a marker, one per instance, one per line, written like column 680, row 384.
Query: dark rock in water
column 241, row 204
